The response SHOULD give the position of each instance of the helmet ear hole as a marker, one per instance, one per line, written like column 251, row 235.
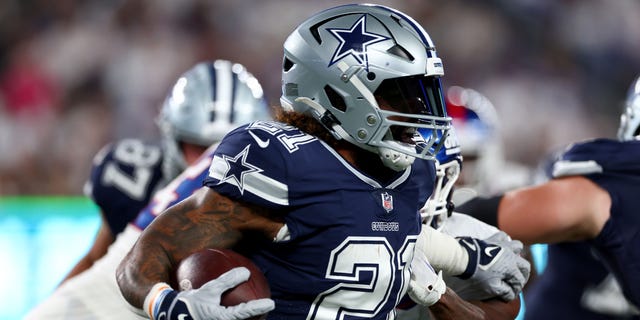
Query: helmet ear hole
column 337, row 101
column 287, row 64
column 400, row 52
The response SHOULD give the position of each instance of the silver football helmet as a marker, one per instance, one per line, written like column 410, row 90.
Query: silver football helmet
column 205, row 103
column 630, row 118
column 371, row 76
column 448, row 165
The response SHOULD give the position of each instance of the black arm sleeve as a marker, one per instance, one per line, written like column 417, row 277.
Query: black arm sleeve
column 483, row 209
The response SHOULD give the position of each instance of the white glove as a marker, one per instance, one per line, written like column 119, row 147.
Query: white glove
column 495, row 268
column 164, row 303
column 425, row 287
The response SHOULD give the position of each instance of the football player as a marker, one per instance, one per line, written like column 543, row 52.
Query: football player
column 326, row 199
column 205, row 103
column 478, row 131
column 501, row 267
column 576, row 284
column 588, row 210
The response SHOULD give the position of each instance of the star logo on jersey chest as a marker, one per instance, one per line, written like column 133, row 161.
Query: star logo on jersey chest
column 354, row 42
column 238, row 168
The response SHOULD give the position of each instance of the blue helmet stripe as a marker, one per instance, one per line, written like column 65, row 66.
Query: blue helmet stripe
column 214, row 92
column 418, row 28
column 234, row 86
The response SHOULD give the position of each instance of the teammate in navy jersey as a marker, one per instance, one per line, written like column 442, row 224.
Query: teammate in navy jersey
column 326, row 199
column 588, row 209
column 205, row 103
column 126, row 173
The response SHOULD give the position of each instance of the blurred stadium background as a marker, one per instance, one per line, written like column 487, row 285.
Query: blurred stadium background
column 76, row 74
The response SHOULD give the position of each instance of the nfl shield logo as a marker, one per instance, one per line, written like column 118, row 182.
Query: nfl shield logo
column 387, row 201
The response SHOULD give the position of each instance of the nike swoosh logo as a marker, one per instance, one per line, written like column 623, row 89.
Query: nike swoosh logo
column 468, row 244
column 262, row 143
column 490, row 250
column 182, row 316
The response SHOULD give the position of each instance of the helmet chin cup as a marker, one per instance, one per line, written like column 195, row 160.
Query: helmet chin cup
column 395, row 160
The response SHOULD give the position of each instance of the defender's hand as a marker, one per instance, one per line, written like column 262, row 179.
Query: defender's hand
column 203, row 303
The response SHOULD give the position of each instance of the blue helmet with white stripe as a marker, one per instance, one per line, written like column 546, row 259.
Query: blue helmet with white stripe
column 205, row 103
column 448, row 165
column 371, row 76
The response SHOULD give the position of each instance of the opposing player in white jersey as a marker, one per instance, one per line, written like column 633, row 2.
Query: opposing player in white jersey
column 501, row 272
column 205, row 103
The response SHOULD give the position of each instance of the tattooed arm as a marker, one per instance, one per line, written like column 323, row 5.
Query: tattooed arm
column 204, row 220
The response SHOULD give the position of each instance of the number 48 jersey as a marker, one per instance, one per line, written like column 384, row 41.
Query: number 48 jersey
column 348, row 239
column 123, row 178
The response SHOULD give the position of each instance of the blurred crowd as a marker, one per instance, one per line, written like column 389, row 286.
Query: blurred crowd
column 76, row 74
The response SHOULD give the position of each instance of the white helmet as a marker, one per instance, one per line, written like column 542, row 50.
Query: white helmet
column 342, row 64
column 205, row 103
column 630, row 118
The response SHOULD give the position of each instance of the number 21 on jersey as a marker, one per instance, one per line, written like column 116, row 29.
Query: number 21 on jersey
column 366, row 268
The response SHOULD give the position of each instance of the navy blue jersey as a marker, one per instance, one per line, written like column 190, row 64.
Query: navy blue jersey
column 350, row 238
column 177, row 190
column 573, row 269
column 123, row 178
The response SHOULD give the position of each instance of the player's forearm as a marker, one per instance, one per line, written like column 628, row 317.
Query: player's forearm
column 101, row 244
column 497, row 309
column 452, row 307
column 442, row 251
column 189, row 226
column 83, row 264
column 143, row 267
column 151, row 259
column 483, row 209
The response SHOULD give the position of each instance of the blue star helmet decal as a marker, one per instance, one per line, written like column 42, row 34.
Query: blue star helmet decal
column 354, row 42
column 238, row 168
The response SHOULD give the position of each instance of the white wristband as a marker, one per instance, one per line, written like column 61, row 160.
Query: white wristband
column 154, row 298
column 443, row 251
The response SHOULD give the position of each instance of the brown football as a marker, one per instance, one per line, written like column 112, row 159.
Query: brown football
column 202, row 266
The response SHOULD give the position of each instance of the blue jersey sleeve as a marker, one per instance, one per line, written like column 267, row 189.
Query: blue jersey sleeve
column 613, row 166
column 123, row 177
column 249, row 164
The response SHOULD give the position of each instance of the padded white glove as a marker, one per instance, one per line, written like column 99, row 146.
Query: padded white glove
column 495, row 268
column 425, row 287
column 164, row 303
